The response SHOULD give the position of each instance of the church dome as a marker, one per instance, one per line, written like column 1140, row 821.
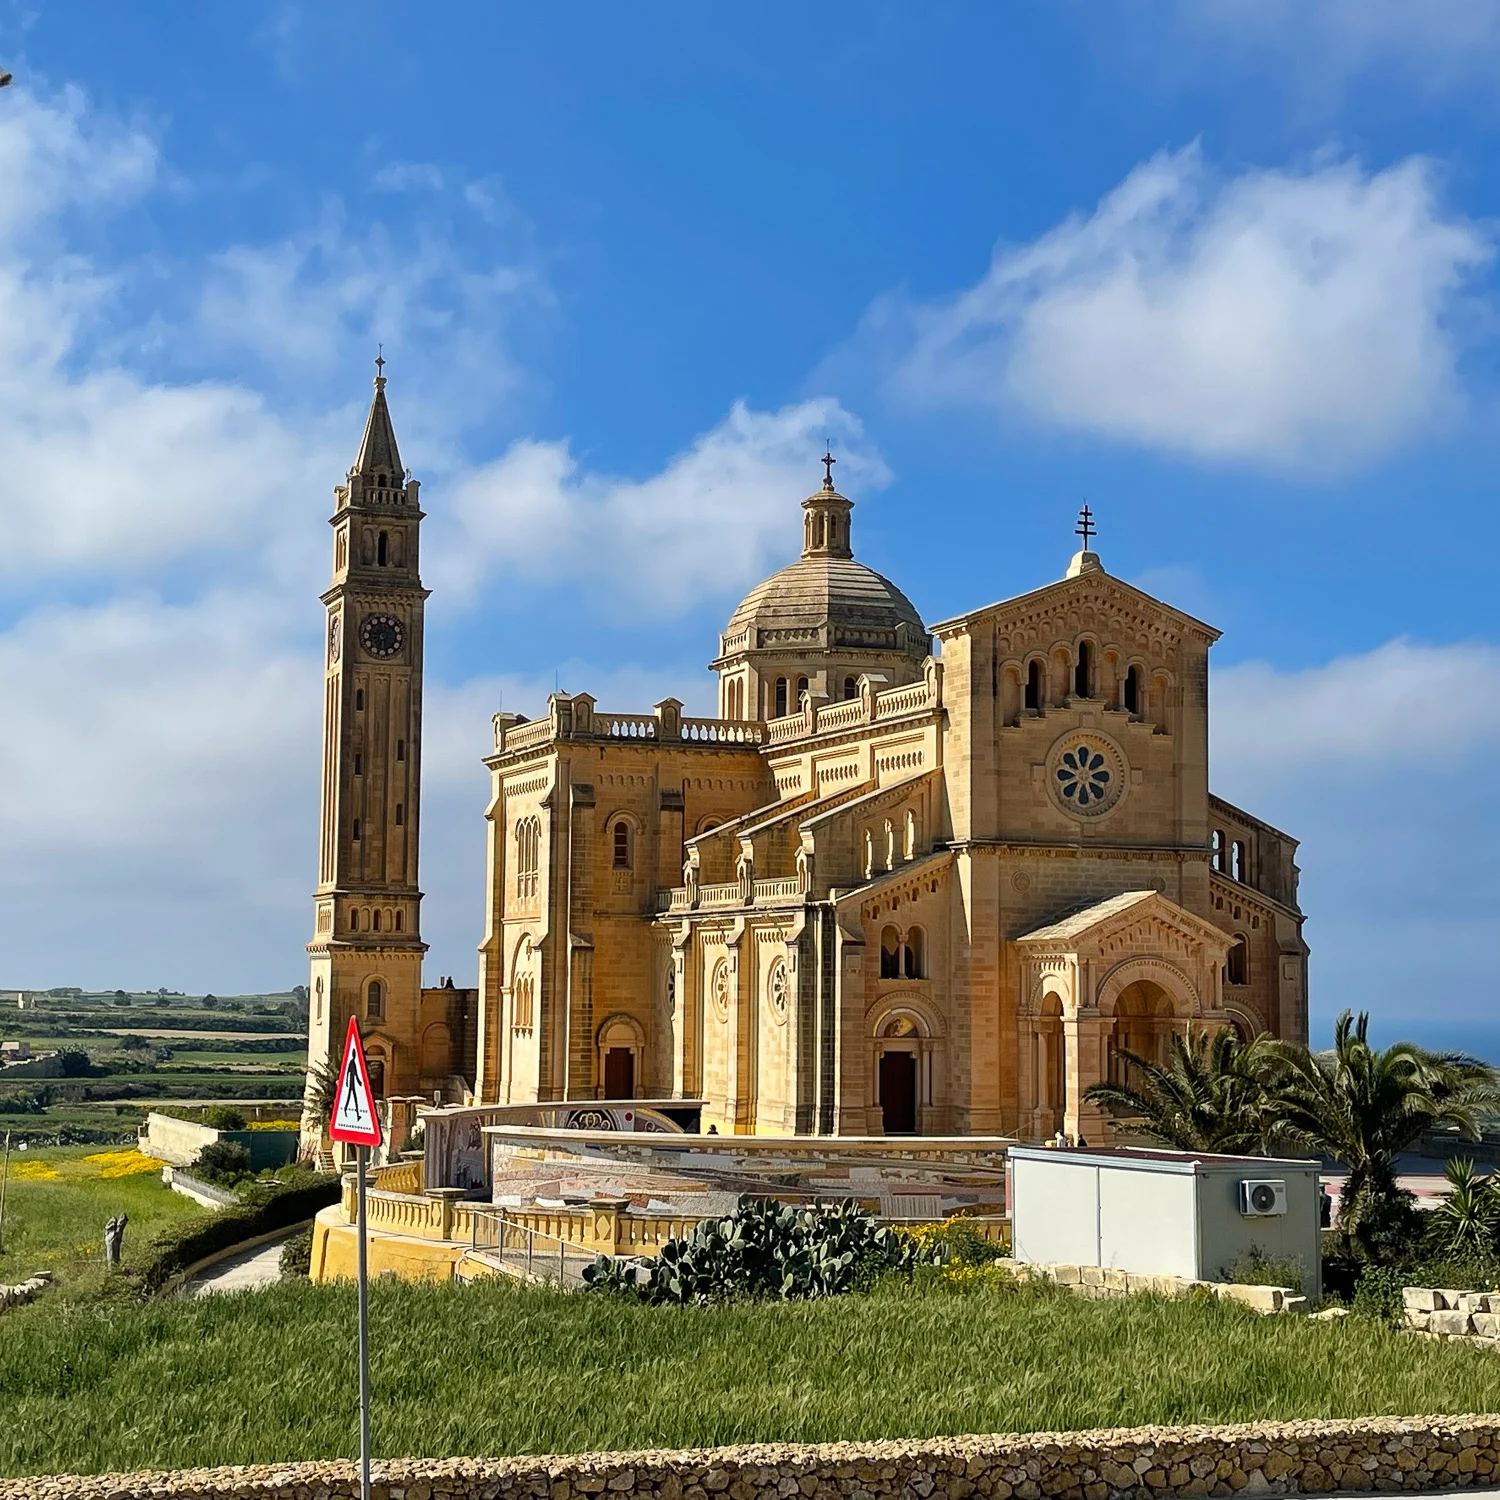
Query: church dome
column 852, row 603
column 818, row 625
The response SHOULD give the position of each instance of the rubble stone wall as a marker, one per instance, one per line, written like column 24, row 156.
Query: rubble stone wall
column 1363, row 1454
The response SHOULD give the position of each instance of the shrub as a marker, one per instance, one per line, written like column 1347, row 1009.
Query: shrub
column 956, row 1242
column 1377, row 1293
column 763, row 1249
column 178, row 1248
column 222, row 1117
column 73, row 1062
column 223, row 1162
column 1466, row 1220
column 1259, row 1269
column 296, row 1256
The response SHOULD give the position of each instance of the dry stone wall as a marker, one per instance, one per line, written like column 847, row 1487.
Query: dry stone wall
column 1393, row 1453
column 1437, row 1313
column 1108, row 1281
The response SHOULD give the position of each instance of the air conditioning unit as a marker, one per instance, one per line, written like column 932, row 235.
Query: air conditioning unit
column 1260, row 1199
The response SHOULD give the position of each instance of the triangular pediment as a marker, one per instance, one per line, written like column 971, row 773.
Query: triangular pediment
column 1132, row 921
column 1098, row 591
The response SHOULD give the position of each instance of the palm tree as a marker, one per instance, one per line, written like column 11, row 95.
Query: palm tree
column 1362, row 1106
column 1208, row 1096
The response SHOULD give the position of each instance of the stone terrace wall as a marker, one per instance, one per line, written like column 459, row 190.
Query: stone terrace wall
column 1470, row 1317
column 1407, row 1453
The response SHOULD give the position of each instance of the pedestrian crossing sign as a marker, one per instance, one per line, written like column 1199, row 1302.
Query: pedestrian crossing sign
column 354, row 1120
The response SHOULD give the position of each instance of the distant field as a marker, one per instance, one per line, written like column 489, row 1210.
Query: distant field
column 57, row 1201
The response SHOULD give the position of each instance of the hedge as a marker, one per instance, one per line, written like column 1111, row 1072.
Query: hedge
column 176, row 1249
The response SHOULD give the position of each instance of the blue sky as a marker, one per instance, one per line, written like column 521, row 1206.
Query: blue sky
column 1224, row 268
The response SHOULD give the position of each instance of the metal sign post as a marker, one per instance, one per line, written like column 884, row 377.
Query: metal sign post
column 355, row 1123
column 4, row 1178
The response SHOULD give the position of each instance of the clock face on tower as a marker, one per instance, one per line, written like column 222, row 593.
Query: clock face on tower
column 381, row 635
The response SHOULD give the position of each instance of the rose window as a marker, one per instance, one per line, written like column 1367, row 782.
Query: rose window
column 1087, row 774
column 1083, row 777
column 778, row 989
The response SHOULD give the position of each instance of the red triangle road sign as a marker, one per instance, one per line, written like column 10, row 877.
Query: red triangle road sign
column 354, row 1121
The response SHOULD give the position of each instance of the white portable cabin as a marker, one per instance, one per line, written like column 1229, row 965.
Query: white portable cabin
column 1163, row 1213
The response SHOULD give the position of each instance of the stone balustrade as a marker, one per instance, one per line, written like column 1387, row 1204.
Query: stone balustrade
column 788, row 888
column 1359, row 1454
column 400, row 1177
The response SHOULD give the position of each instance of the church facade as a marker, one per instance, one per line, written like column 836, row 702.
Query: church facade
column 909, row 879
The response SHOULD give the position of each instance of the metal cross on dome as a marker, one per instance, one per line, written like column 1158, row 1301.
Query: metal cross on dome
column 1085, row 527
column 828, row 461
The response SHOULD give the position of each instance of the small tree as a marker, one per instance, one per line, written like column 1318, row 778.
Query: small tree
column 223, row 1162
column 1209, row 1095
column 1466, row 1221
column 73, row 1062
column 223, row 1117
column 1362, row 1106
column 210, row 1002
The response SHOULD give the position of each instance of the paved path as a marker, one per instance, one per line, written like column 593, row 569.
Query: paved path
column 252, row 1268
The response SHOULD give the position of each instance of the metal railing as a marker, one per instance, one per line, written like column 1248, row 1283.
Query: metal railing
column 526, row 1253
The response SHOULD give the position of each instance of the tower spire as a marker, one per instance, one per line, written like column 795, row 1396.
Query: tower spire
column 378, row 453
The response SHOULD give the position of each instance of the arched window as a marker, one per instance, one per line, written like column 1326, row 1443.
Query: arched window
column 375, row 920
column 380, row 481
column 1237, row 970
column 1083, row 673
column 400, row 810
column 359, row 764
column 528, row 847
column 356, row 830
column 1133, row 691
column 400, row 749
column 890, row 953
column 1220, row 851
column 781, row 697
column 1237, row 863
column 359, row 699
column 318, row 997
column 622, row 845
column 1034, row 688
column 851, row 688
column 381, row 545
column 913, row 958
column 869, row 854
column 375, row 1001
column 398, row 921
column 801, row 691
column 910, row 849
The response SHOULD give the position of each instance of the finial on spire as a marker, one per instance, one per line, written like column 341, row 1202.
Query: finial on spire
column 828, row 461
column 1085, row 527
column 380, row 364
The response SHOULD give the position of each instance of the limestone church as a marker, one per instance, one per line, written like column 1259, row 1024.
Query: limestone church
column 910, row 878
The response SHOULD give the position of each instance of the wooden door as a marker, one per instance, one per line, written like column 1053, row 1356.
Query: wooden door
column 619, row 1073
column 898, row 1092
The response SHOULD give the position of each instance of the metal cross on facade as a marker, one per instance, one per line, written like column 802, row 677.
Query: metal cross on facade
column 1085, row 527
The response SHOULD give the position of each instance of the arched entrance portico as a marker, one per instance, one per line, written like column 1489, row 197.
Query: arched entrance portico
column 909, row 1087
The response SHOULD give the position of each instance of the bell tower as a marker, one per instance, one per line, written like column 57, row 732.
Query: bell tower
column 367, row 946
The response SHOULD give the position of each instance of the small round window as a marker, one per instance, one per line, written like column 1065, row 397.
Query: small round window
column 1086, row 774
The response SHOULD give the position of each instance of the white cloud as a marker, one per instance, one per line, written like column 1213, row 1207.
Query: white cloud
column 158, row 791
column 55, row 155
column 1299, row 321
column 1435, row 44
column 410, row 177
column 1380, row 764
column 705, row 525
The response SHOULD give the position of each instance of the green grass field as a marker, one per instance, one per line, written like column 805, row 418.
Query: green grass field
column 493, row 1369
column 57, row 1200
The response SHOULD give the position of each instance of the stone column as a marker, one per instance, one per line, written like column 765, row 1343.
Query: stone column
column 1084, row 1035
